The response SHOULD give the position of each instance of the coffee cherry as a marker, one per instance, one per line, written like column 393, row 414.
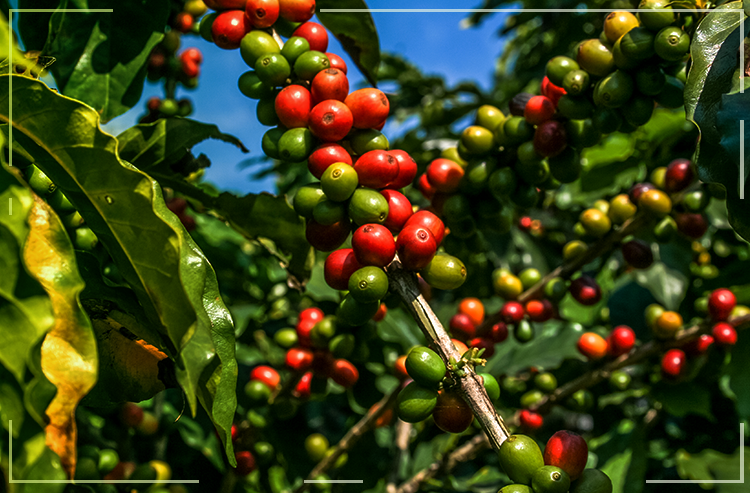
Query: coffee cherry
column 255, row 45
column 546, row 382
column 415, row 403
column 310, row 63
column 638, row 44
column 667, row 324
column 473, row 308
column 585, row 290
column 327, row 238
column 336, row 62
column 558, row 68
column 679, row 175
column 299, row 359
column 498, row 332
column 131, row 414
column 344, row 373
column 338, row 268
column 539, row 311
column 550, row 138
column 407, row 170
column 595, row 222
column 292, row 106
column 367, row 206
column 369, row 107
column 691, row 225
column 673, row 363
column 444, row 272
column 452, row 414
column 228, row 29
column 638, row 254
column 444, row 175
column 315, row 34
column 512, row 312
column 416, row 246
column 620, row 341
column 427, row 219
column 325, row 155
column 721, row 302
column 425, row 366
column 423, row 185
column 614, row 90
column 698, row 346
column 399, row 210
column 368, row 284
column 672, row 43
column 552, row 91
column 520, row 457
column 617, row 24
column 539, row 109
column 376, row 169
column 373, row 245
column 724, row 334
column 297, row 10
column 530, row 420
column 262, row 13
column 595, row 58
column 267, row 375
column 462, row 327
column 592, row 345
column 656, row 202
column 330, row 120
column 637, row 190
column 568, row 451
column 330, row 83
column 506, row 285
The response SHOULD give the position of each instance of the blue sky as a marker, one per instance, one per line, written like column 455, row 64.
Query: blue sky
column 434, row 42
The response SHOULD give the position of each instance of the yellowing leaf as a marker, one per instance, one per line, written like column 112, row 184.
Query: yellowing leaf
column 69, row 358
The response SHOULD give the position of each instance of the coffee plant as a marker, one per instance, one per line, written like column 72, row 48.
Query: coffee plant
column 540, row 288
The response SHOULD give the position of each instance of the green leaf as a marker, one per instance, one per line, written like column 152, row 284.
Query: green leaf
column 11, row 408
column 739, row 376
column 172, row 279
column 710, row 465
column 668, row 286
column 101, row 56
column 684, row 398
column 356, row 32
column 45, row 466
column 399, row 327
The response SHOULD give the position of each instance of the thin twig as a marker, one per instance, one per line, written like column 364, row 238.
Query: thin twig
column 352, row 436
column 403, row 432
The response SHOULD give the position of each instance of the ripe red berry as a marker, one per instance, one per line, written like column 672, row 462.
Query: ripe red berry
column 381, row 313
column 415, row 246
column 424, row 186
column 327, row 238
column 525, row 223
column 376, row 169
column 483, row 343
column 621, row 340
column 324, row 156
column 315, row 314
column 550, row 138
column 245, row 463
column 339, row 267
column 679, row 175
column 407, row 169
column 262, row 13
column 698, row 346
column 512, row 312
column 553, row 92
column 369, row 106
column 299, row 359
column 315, row 34
column 444, row 175
column 297, row 10
column 430, row 221
column 337, row 62
column 267, row 375
column 592, row 345
column 568, row 451
column 373, row 244
column 462, row 327
column 399, row 210
column 192, row 54
column 530, row 420
column 293, row 106
column 330, row 120
column 691, row 225
column 585, row 290
column 721, row 303
column 400, row 367
column 451, row 413
column 303, row 389
column 344, row 373
column 190, row 68
column 183, row 22
column 724, row 334
column 330, row 83
column 539, row 311
column 229, row 28
column 131, row 414
column 673, row 363
column 499, row 332
column 639, row 189
column 538, row 110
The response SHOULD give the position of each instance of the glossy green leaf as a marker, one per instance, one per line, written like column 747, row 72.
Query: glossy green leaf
column 101, row 56
column 684, row 398
column 356, row 32
column 11, row 408
column 710, row 465
column 668, row 285
column 125, row 208
column 712, row 99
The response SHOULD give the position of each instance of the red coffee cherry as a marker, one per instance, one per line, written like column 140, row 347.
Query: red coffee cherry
column 530, row 420
column 538, row 110
column 267, row 375
column 592, row 345
column 153, row 105
column 553, row 92
column 721, row 303
column 381, row 313
column 550, row 138
column 698, row 346
column 539, row 311
column 673, row 363
column 369, row 106
column 451, row 413
column 344, row 373
column 415, row 246
column 330, row 121
column 324, row 156
column 499, row 332
column 245, row 463
column 620, row 341
column 400, row 367
column 724, row 334
column 444, row 175
column 327, row 238
column 483, row 343
column 297, row 10
column 183, row 22
column 399, row 210
column 639, row 189
column 131, row 414
column 303, row 389
column 407, row 169
column 315, row 34
column 430, row 221
column 192, row 54
column 315, row 314
column 462, row 327
column 373, row 245
column 423, row 185
column 330, row 83
column 299, row 359
column 292, row 105
column 585, row 290
column 691, row 225
column 512, row 312
column 679, row 175
column 376, row 169
column 339, row 267
column 568, row 451
column 337, row 62
column 262, row 13
column 229, row 28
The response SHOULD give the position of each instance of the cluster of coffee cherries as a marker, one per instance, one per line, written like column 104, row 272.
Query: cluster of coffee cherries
column 427, row 392
column 561, row 469
column 463, row 326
